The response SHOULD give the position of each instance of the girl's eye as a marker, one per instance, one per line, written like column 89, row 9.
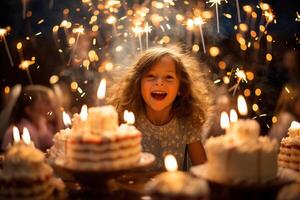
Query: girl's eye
column 150, row 76
column 169, row 77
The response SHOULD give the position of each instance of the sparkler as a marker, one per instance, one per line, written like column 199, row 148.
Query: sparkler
column 79, row 31
column 199, row 21
column 138, row 30
column 216, row 3
column 3, row 32
column 241, row 77
column 24, row 65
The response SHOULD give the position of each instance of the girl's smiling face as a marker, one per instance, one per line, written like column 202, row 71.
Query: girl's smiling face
column 160, row 85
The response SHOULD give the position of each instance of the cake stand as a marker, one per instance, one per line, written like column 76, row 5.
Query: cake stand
column 95, row 182
column 240, row 190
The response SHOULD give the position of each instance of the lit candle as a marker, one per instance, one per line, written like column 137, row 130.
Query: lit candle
column 16, row 135
column 101, row 91
column 127, row 127
column 171, row 163
column 233, row 116
column 242, row 105
column 66, row 120
column 26, row 136
column 224, row 120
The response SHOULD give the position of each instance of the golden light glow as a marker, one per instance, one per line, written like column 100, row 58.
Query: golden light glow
column 74, row 85
column 3, row 32
column 66, row 119
column 222, row 65
column 214, row 51
column 255, row 107
column 269, row 57
column 240, row 74
column 247, row 92
column 19, row 45
column 269, row 38
column 111, row 20
column 16, row 134
column 71, row 40
column 257, row 92
column 247, row 8
column 170, row 163
column 242, row 105
column 195, row 48
column 274, row 119
column 243, row 27
column 6, row 90
column 26, row 136
column 101, row 89
column 224, row 120
column 53, row 79
column 84, row 112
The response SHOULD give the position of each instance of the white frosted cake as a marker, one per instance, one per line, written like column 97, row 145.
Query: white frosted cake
column 97, row 142
column 25, row 175
column 241, row 155
column 289, row 156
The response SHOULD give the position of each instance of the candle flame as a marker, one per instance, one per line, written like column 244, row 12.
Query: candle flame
column 233, row 116
column 66, row 119
column 224, row 120
column 16, row 134
column 129, row 117
column 242, row 105
column 170, row 163
column 101, row 89
column 26, row 136
column 84, row 112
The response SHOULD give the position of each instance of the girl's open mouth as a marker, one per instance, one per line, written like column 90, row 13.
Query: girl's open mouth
column 158, row 95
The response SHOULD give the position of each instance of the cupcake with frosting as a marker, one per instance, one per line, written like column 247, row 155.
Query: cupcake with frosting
column 25, row 175
column 175, row 184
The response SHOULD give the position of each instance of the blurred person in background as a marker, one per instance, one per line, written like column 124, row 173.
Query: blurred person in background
column 288, row 110
column 36, row 109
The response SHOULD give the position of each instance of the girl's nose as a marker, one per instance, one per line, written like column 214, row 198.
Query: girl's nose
column 159, row 81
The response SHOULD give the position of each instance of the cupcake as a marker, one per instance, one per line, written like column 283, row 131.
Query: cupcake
column 25, row 175
column 175, row 184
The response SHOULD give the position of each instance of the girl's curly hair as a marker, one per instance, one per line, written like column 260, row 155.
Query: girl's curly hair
column 194, row 104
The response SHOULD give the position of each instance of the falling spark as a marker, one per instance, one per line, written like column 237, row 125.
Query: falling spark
column 199, row 21
column 3, row 32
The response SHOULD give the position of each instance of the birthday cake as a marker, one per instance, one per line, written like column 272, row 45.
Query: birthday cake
column 241, row 155
column 97, row 142
column 289, row 155
column 25, row 175
column 177, row 185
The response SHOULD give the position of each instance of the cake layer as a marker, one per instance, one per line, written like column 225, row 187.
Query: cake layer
column 120, row 163
column 89, row 154
column 35, row 191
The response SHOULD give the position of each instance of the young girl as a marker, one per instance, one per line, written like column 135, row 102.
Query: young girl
column 171, row 101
